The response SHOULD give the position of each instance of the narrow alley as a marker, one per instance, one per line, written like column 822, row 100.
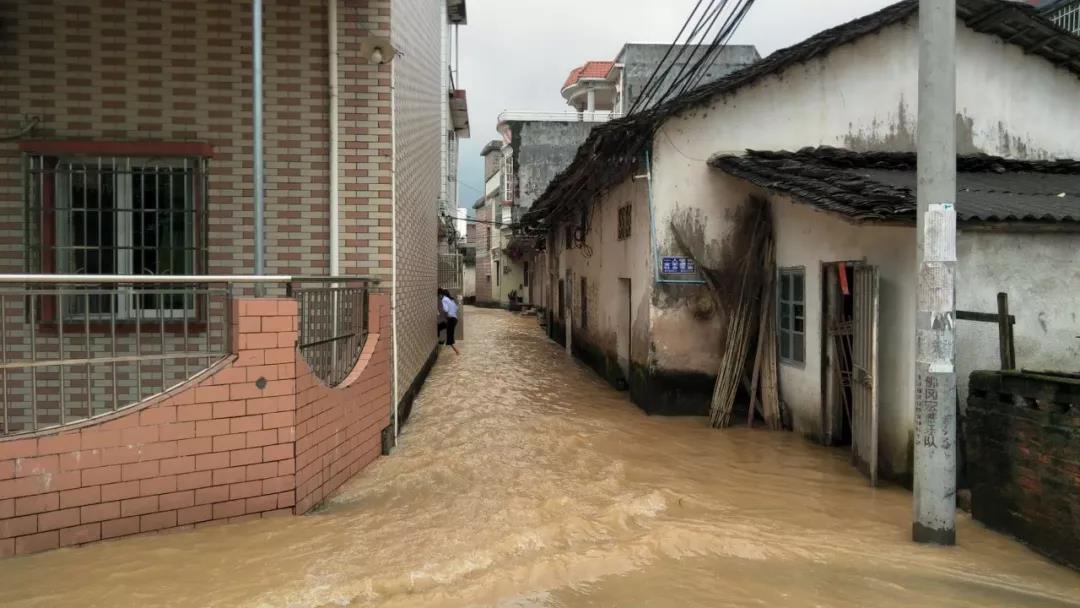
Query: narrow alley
column 524, row 480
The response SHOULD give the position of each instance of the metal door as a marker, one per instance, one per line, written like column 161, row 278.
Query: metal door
column 864, row 382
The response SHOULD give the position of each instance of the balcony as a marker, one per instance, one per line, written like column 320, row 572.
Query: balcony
column 79, row 348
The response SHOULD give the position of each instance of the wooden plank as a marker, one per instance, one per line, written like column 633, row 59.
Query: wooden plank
column 982, row 317
column 1005, row 341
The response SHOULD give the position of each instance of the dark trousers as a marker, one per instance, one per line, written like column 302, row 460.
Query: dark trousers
column 450, row 325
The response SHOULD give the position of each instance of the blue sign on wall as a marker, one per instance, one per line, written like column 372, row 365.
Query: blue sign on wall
column 677, row 265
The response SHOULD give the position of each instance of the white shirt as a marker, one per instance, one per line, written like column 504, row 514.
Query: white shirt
column 449, row 306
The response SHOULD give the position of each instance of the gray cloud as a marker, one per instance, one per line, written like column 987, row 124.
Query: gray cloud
column 515, row 54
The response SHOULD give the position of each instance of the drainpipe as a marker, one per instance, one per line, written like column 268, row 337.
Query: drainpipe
column 393, row 243
column 257, row 135
column 652, row 236
column 335, row 255
column 335, row 244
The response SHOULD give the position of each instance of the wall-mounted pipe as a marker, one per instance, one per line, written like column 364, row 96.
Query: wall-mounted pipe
column 332, row 44
column 257, row 134
column 652, row 235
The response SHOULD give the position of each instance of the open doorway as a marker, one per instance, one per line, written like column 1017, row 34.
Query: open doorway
column 850, row 351
column 838, row 334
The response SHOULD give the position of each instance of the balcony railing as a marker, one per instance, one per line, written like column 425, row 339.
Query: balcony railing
column 333, row 327
column 596, row 116
column 451, row 271
column 78, row 347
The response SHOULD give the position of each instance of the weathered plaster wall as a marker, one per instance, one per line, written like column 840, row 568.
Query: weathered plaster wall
column 610, row 260
column 1043, row 297
column 808, row 238
column 862, row 95
column 541, row 150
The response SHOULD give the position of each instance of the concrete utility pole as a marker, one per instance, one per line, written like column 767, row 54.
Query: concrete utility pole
column 935, row 372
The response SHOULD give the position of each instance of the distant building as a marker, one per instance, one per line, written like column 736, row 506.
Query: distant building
column 539, row 145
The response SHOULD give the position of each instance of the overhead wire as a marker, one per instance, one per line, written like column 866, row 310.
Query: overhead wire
column 652, row 77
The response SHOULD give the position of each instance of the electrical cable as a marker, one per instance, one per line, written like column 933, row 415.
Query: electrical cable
column 667, row 53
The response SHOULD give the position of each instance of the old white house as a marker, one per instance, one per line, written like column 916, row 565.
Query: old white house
column 848, row 94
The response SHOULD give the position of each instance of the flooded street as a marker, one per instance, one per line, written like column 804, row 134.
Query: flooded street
column 524, row 480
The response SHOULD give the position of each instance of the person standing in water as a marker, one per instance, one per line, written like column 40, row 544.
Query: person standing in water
column 449, row 307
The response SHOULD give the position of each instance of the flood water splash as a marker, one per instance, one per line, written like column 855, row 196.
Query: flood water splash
column 523, row 480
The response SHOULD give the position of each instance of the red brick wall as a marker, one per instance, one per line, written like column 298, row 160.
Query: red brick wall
column 338, row 431
column 217, row 449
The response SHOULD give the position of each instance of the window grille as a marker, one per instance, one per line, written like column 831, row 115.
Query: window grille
column 118, row 215
column 792, row 303
column 624, row 222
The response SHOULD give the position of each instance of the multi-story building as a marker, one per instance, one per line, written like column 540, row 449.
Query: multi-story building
column 127, row 149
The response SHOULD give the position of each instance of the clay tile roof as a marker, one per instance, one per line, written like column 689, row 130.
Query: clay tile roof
column 880, row 186
column 613, row 145
column 591, row 69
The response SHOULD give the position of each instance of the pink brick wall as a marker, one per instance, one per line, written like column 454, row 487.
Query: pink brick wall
column 216, row 449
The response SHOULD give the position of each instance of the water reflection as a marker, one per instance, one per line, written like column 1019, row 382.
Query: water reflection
column 522, row 480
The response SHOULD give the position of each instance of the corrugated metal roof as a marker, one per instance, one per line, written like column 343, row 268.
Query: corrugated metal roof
column 877, row 187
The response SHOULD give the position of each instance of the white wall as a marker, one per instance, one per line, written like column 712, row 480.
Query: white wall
column 610, row 260
column 1040, row 271
column 807, row 237
column 860, row 96
column 1041, row 274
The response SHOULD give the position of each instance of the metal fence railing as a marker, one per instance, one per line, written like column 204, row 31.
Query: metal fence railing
column 451, row 271
column 333, row 326
column 77, row 347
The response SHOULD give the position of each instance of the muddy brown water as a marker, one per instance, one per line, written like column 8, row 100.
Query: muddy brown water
column 523, row 480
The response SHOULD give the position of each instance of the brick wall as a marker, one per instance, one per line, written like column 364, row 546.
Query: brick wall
column 338, row 430
column 181, row 71
column 365, row 142
column 418, row 98
column 1023, row 455
column 218, row 448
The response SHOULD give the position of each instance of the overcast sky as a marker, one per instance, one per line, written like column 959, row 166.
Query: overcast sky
column 515, row 54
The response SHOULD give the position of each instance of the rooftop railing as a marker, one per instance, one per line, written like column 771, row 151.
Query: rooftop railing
column 596, row 116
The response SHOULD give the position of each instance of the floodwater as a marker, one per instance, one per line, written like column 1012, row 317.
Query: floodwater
column 522, row 480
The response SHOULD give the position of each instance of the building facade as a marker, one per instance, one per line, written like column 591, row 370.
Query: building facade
column 851, row 87
column 131, row 154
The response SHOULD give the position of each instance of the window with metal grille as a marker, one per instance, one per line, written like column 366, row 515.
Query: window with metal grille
column 792, row 304
column 118, row 215
column 624, row 222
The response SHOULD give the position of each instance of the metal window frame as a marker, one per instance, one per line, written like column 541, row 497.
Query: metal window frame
column 50, row 212
column 796, row 359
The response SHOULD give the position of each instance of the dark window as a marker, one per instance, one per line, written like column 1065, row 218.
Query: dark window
column 624, row 222
column 498, row 273
column 584, row 305
column 792, row 305
column 526, row 273
column 118, row 215
column 568, row 237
